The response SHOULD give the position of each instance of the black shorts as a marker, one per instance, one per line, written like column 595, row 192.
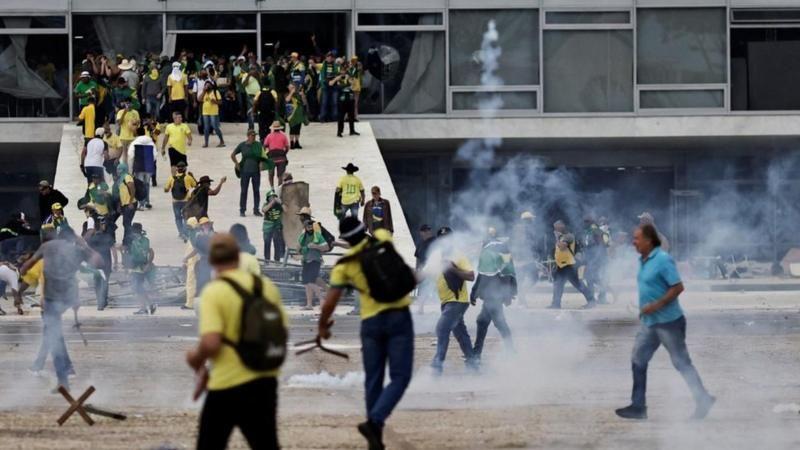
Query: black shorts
column 311, row 271
column 175, row 157
column 295, row 129
column 177, row 106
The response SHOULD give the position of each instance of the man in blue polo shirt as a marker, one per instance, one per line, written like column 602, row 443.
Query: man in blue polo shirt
column 663, row 323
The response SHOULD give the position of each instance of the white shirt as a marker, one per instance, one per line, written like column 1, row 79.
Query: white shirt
column 10, row 276
column 94, row 153
column 140, row 140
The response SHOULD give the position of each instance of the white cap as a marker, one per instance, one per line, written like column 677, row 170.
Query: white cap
column 176, row 64
column 85, row 74
column 99, row 131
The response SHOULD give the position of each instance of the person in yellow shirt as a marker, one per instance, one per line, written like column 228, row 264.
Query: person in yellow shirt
column 87, row 115
column 349, row 193
column 128, row 120
column 180, row 185
column 452, row 287
column 125, row 190
column 211, row 102
column 114, row 149
column 564, row 255
column 176, row 86
column 178, row 136
column 387, row 332
column 237, row 395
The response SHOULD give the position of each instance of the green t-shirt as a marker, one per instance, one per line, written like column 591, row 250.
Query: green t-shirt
column 252, row 154
column 272, row 218
column 82, row 88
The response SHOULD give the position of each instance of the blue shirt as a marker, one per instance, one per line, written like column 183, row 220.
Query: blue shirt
column 657, row 274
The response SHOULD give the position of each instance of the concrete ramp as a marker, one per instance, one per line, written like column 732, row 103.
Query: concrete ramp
column 318, row 163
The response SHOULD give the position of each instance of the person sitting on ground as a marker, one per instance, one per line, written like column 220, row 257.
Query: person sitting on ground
column 237, row 394
column 141, row 266
column 378, row 213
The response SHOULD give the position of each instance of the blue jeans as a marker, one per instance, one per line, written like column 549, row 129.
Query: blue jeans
column 389, row 336
column 211, row 122
column 177, row 208
column 92, row 170
column 54, row 339
column 246, row 180
column 452, row 321
column 492, row 311
column 152, row 105
column 144, row 177
column 673, row 336
column 329, row 111
column 560, row 278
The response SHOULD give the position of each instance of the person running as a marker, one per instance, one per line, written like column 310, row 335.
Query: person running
column 190, row 258
column 273, row 227
column 564, row 255
column 295, row 115
column 180, row 186
column 100, row 238
column 238, row 396
column 277, row 146
column 141, row 258
column 210, row 112
column 178, row 136
column 387, row 333
column 62, row 260
column 312, row 246
column 249, row 169
column 663, row 323
column 94, row 155
column 496, row 286
column 349, row 192
column 452, row 288
column 124, row 193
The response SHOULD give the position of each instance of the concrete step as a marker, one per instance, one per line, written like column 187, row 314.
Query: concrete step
column 318, row 163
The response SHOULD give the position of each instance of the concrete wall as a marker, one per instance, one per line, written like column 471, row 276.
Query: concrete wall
column 31, row 131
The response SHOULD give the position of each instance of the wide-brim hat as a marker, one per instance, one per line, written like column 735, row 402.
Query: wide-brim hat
column 350, row 167
column 276, row 125
column 125, row 65
column 305, row 210
column 204, row 179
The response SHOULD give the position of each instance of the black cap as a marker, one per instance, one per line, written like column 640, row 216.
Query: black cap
column 425, row 227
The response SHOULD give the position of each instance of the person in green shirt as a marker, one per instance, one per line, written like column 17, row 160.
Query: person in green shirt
column 249, row 169
column 312, row 245
column 273, row 226
column 85, row 88
column 344, row 85
column 295, row 115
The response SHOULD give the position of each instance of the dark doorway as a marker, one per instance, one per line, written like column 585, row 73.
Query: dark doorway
column 283, row 33
column 221, row 45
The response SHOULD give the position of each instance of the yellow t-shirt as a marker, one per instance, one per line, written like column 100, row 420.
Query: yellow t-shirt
column 210, row 108
column 177, row 135
column 177, row 89
column 349, row 274
column 35, row 275
column 221, row 312
column 188, row 181
column 114, row 146
column 87, row 116
column 445, row 294
column 351, row 188
column 125, row 197
column 127, row 129
column 565, row 257
column 249, row 263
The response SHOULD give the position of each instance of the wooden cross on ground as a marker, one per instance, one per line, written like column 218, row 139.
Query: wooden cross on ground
column 76, row 405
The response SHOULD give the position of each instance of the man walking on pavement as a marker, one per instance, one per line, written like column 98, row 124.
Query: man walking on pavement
column 180, row 187
column 387, row 333
column 349, row 192
column 249, row 169
column 564, row 255
column 663, row 323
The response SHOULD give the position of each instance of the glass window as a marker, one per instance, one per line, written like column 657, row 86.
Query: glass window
column 518, row 37
column 404, row 72
column 584, row 17
column 34, row 76
column 681, row 46
column 131, row 35
column 399, row 19
column 588, row 71
column 472, row 101
column 211, row 22
column 294, row 30
column 34, row 22
column 765, row 69
column 682, row 99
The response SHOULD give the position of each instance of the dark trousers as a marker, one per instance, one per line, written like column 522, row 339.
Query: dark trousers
column 177, row 212
column 90, row 171
column 387, row 337
column 347, row 107
column 328, row 111
column 452, row 321
column 264, row 122
column 672, row 335
column 54, row 339
column 491, row 312
column 251, row 406
column 274, row 236
column 561, row 276
column 247, row 179
column 127, row 220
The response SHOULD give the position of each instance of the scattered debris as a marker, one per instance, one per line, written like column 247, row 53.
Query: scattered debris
column 75, row 405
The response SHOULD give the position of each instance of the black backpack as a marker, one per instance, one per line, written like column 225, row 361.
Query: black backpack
column 179, row 190
column 263, row 336
column 389, row 277
column 139, row 187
